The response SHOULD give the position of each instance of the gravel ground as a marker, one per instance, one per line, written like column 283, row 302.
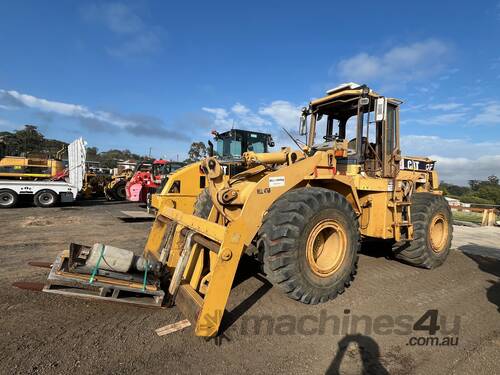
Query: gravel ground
column 50, row 334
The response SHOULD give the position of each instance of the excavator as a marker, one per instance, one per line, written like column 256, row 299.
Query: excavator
column 303, row 213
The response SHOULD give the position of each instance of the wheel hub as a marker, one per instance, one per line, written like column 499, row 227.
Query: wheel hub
column 46, row 198
column 326, row 247
column 6, row 199
column 438, row 233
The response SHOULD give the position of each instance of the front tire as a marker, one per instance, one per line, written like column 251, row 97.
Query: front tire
column 119, row 190
column 310, row 241
column 432, row 232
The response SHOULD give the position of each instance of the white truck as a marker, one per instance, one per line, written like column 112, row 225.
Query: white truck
column 49, row 193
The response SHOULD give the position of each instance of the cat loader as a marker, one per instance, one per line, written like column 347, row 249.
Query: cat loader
column 303, row 213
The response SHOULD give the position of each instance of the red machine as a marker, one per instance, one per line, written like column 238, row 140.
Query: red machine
column 147, row 177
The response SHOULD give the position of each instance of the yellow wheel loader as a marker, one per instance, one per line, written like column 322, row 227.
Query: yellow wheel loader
column 115, row 190
column 180, row 190
column 302, row 212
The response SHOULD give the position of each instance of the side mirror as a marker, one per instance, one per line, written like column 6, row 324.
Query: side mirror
column 270, row 141
column 210, row 148
column 303, row 124
column 380, row 109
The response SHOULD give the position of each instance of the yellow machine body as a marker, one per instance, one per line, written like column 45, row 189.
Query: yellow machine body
column 16, row 167
column 202, row 255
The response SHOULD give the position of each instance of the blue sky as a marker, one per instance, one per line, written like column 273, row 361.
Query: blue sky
column 162, row 74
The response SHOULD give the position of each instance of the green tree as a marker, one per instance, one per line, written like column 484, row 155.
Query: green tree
column 493, row 180
column 196, row 152
column 474, row 184
column 30, row 139
column 92, row 154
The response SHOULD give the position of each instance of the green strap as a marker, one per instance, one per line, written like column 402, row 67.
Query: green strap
column 145, row 276
column 94, row 271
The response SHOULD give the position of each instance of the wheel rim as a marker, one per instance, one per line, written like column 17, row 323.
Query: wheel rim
column 326, row 247
column 438, row 233
column 46, row 198
column 6, row 199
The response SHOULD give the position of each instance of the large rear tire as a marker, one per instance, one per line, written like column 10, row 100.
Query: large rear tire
column 310, row 241
column 432, row 232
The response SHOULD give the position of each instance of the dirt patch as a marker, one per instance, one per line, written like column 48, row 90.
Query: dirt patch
column 42, row 221
column 34, row 221
column 45, row 334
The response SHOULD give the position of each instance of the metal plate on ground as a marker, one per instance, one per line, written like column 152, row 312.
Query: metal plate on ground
column 137, row 216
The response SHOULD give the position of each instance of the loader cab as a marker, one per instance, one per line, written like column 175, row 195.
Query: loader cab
column 358, row 116
column 233, row 143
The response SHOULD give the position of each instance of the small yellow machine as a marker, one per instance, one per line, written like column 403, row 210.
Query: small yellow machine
column 30, row 168
column 189, row 182
column 302, row 212
column 115, row 187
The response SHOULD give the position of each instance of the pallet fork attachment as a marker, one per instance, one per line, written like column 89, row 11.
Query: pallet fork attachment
column 201, row 296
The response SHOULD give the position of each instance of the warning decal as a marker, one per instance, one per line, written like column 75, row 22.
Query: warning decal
column 277, row 181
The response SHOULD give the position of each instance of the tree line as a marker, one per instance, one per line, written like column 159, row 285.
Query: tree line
column 29, row 141
column 480, row 192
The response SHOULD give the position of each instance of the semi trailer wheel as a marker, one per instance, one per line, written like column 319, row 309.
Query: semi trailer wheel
column 432, row 232
column 45, row 198
column 8, row 198
column 310, row 241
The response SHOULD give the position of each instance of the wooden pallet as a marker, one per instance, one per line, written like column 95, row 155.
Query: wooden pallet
column 76, row 285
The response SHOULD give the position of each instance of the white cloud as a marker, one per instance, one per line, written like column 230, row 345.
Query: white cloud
column 461, row 170
column 240, row 109
column 485, row 112
column 140, row 125
column 445, row 106
column 489, row 114
column 66, row 109
column 117, row 17
column 397, row 66
column 283, row 113
column 147, row 42
column 424, row 145
column 222, row 120
column 237, row 116
column 452, row 165
column 279, row 113
column 447, row 118
column 136, row 37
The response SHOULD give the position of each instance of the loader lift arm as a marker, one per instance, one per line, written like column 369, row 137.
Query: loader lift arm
column 205, row 303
